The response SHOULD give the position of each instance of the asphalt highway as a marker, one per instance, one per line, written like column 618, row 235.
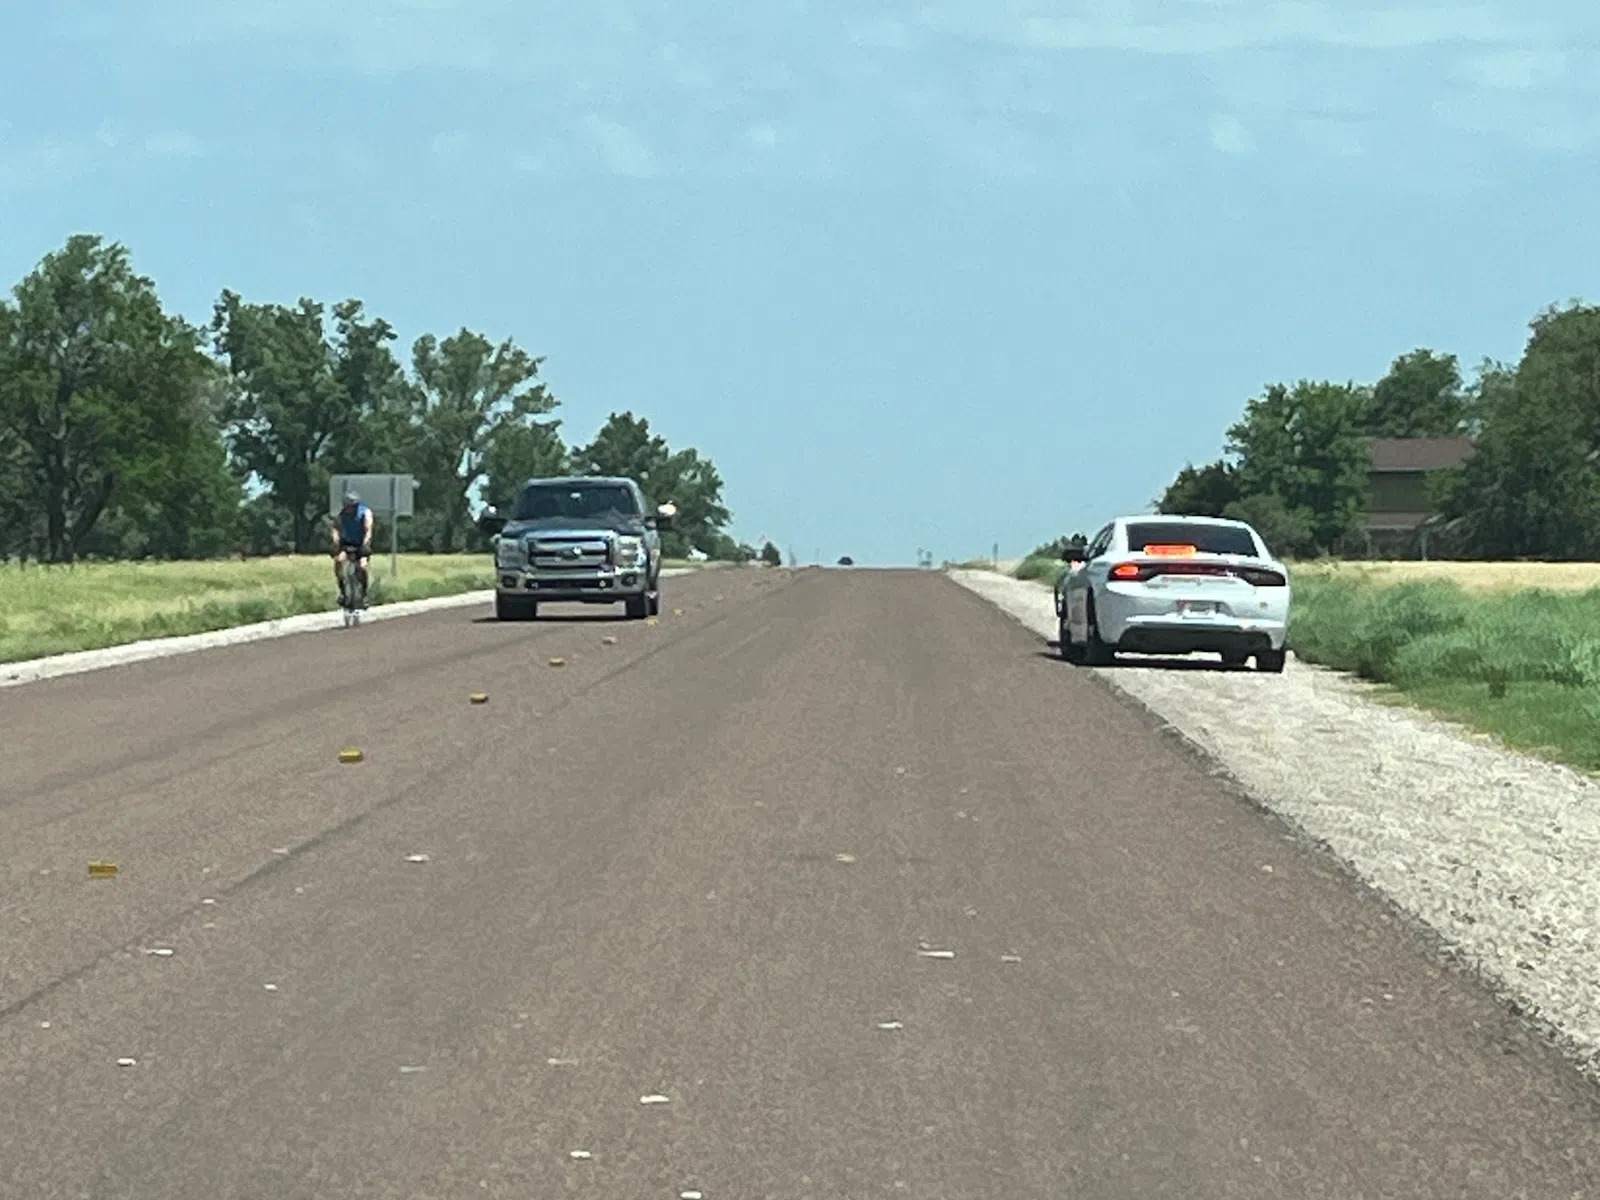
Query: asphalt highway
column 882, row 900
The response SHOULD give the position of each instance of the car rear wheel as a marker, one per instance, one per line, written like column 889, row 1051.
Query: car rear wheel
column 1071, row 652
column 1096, row 651
column 1271, row 661
column 1234, row 658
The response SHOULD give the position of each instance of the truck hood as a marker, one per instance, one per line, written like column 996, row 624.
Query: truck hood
column 630, row 526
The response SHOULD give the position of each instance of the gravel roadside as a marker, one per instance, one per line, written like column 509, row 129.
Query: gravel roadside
column 1496, row 853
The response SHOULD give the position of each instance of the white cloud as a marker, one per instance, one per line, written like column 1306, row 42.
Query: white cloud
column 1516, row 70
column 1229, row 135
column 1003, row 86
column 174, row 143
column 621, row 150
column 450, row 145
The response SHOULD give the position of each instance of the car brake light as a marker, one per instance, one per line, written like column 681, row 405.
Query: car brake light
column 1173, row 551
column 1127, row 571
column 1260, row 578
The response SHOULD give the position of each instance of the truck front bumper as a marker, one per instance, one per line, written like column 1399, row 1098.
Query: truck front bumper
column 605, row 586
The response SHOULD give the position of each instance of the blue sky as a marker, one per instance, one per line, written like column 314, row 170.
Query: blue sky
column 914, row 275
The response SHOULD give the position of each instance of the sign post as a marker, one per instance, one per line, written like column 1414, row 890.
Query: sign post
column 392, row 495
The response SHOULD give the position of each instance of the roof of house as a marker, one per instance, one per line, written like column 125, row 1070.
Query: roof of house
column 1419, row 454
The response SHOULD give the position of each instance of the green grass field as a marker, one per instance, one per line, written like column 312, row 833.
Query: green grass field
column 1522, row 665
column 1510, row 649
column 54, row 610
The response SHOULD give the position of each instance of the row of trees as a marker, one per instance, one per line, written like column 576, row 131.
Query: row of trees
column 1295, row 464
column 126, row 431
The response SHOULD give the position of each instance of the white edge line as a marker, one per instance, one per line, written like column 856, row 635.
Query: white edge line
column 15, row 674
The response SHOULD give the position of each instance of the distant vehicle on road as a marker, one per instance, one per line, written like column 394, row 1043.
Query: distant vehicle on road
column 1174, row 585
column 847, row 561
column 592, row 539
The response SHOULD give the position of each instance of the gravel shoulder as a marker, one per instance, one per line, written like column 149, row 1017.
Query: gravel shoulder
column 1495, row 853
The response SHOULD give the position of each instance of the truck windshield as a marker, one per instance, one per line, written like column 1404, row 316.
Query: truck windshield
column 545, row 500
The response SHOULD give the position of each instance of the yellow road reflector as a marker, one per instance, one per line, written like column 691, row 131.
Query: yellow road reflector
column 558, row 662
column 677, row 612
column 350, row 755
column 844, row 858
column 651, row 621
column 102, row 870
column 479, row 697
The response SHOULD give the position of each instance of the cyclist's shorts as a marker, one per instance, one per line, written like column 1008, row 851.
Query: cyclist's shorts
column 353, row 548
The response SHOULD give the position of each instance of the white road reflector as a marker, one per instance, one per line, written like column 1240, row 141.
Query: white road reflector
column 653, row 1099
column 937, row 953
column 579, row 1155
column 890, row 1025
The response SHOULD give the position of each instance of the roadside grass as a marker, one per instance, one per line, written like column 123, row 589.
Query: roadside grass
column 1475, row 576
column 48, row 610
column 1523, row 666
column 1040, row 570
column 54, row 610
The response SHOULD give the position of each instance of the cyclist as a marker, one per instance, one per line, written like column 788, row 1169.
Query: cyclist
column 352, row 533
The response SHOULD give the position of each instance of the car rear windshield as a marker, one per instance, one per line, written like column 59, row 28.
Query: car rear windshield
column 599, row 500
column 1208, row 539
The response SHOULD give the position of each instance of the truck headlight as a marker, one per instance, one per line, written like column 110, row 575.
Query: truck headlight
column 630, row 552
column 508, row 553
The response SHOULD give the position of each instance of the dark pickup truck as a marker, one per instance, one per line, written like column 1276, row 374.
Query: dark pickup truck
column 590, row 539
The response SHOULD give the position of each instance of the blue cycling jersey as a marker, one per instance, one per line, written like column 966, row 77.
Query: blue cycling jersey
column 351, row 526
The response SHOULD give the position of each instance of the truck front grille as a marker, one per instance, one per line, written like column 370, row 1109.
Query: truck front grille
column 559, row 555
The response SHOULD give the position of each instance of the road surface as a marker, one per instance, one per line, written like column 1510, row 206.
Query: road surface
column 634, row 888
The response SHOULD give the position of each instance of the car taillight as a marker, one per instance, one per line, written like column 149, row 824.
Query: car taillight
column 1129, row 572
column 1257, row 577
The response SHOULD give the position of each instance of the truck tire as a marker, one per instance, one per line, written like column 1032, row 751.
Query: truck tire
column 637, row 607
column 515, row 608
column 1271, row 661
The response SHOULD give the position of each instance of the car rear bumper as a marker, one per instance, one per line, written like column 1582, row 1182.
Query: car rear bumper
column 1166, row 635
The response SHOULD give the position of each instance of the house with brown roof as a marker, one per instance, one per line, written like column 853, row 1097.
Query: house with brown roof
column 1399, row 510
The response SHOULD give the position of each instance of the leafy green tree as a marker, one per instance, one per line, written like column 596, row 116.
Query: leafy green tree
column 518, row 452
column 1421, row 396
column 1307, row 446
column 298, row 397
column 1287, row 532
column 1201, row 491
column 625, row 446
column 469, row 392
column 1532, row 489
column 99, row 392
column 771, row 555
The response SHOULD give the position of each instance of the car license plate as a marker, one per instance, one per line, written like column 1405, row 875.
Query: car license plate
column 1196, row 608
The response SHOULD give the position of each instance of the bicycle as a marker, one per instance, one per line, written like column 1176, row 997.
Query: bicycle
column 354, row 596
